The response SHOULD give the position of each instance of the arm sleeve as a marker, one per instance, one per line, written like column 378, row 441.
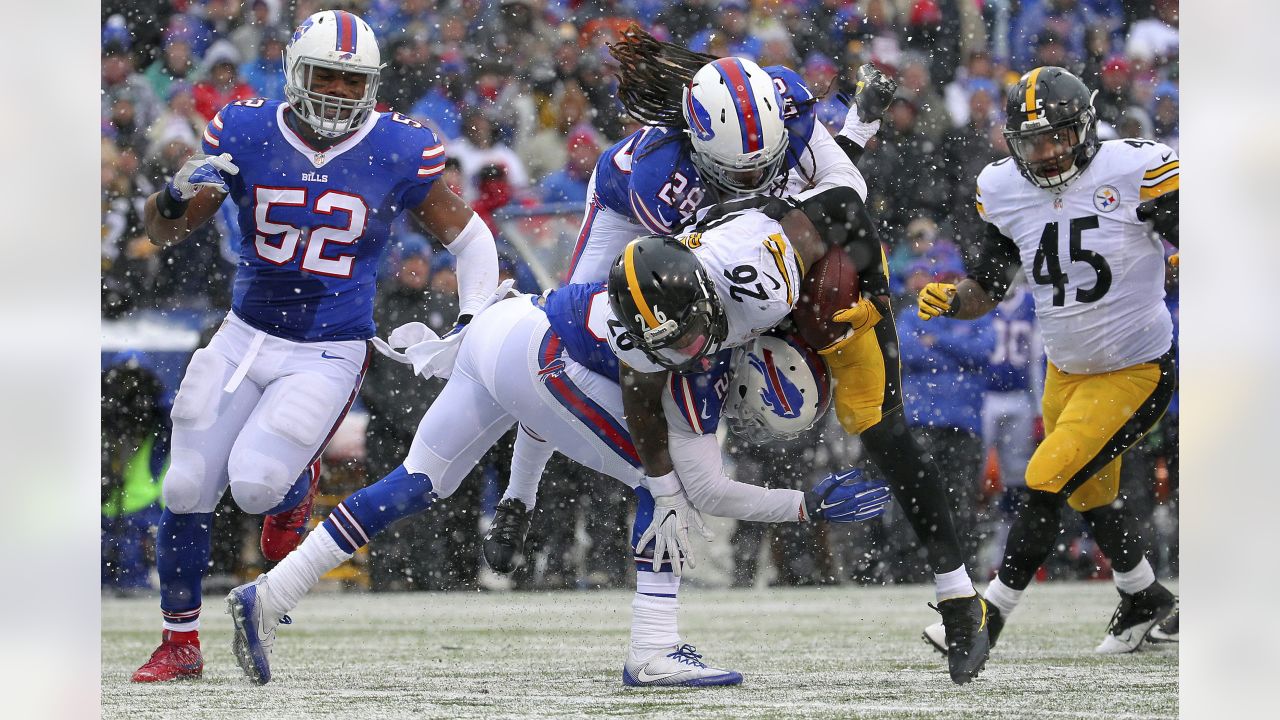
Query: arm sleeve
column 477, row 265
column 841, row 216
column 832, row 166
column 1162, row 212
column 698, row 462
column 997, row 264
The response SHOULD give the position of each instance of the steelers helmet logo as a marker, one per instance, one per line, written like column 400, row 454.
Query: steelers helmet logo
column 1106, row 198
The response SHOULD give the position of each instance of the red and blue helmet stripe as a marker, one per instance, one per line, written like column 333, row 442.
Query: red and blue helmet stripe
column 744, row 102
column 346, row 42
column 819, row 369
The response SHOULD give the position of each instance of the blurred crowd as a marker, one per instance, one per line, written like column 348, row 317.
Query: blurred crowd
column 522, row 92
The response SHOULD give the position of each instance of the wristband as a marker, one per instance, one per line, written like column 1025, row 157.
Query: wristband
column 668, row 484
column 169, row 208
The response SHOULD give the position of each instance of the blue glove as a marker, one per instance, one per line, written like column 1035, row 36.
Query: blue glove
column 845, row 497
column 201, row 171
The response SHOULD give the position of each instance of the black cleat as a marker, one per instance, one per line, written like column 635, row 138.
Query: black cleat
column 504, row 543
column 965, row 621
column 936, row 634
column 1166, row 631
column 1134, row 618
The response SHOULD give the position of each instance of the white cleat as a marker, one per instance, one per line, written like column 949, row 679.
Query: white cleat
column 255, row 621
column 936, row 635
column 1134, row 618
column 677, row 666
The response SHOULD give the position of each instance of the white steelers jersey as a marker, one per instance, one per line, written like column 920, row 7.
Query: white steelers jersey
column 1096, row 271
column 755, row 271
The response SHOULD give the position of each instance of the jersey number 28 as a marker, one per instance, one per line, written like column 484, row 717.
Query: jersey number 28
column 1047, row 268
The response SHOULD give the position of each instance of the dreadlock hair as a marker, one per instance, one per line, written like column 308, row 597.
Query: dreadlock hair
column 652, row 76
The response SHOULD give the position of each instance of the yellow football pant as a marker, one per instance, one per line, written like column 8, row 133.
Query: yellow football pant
column 866, row 373
column 1089, row 421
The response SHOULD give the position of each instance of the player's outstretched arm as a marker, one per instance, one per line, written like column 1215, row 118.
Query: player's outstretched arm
column 982, row 290
column 188, row 200
column 464, row 234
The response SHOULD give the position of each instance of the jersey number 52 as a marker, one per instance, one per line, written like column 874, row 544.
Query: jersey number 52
column 277, row 242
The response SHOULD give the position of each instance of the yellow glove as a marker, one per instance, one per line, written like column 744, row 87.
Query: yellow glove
column 935, row 300
column 862, row 316
column 1173, row 259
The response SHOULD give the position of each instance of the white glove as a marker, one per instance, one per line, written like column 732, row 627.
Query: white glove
column 430, row 354
column 202, row 171
column 669, row 531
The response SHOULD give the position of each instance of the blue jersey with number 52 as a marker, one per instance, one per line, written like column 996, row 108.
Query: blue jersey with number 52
column 314, row 224
column 650, row 176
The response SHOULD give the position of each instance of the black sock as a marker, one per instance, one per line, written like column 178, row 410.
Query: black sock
column 917, row 487
column 1036, row 527
column 1118, row 534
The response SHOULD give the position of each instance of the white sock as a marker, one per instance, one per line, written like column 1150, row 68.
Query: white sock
column 302, row 568
column 653, row 618
column 1002, row 596
column 528, row 460
column 1136, row 580
column 954, row 584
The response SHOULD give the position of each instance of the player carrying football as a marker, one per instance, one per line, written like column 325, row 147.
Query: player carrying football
column 1073, row 212
column 316, row 180
column 725, row 128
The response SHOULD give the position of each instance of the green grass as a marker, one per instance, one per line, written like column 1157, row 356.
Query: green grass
column 841, row 652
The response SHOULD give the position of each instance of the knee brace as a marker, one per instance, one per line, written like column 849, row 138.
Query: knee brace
column 303, row 411
column 196, row 404
column 186, row 489
column 258, row 481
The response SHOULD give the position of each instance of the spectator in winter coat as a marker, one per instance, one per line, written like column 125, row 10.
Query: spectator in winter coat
column 221, row 83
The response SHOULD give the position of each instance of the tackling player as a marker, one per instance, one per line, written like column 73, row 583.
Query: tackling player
column 551, row 364
column 1073, row 212
column 724, row 131
column 316, row 180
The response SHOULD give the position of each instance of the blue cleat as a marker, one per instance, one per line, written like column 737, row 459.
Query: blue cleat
column 249, row 606
column 682, row 667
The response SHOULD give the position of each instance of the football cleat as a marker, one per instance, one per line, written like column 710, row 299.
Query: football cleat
column 1166, row 631
column 171, row 661
column 1134, row 618
column 283, row 532
column 255, row 621
column 936, row 634
column 967, row 642
column 681, row 667
column 504, row 543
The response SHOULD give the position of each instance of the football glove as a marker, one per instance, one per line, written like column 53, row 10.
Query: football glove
column 845, row 497
column 669, row 531
column 936, row 300
column 862, row 317
column 875, row 92
column 201, row 171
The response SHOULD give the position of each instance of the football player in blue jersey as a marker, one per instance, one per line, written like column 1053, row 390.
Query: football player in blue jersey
column 316, row 181
column 551, row 364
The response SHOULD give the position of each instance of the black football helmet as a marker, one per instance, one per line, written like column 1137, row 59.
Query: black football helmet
column 1051, row 126
column 667, row 303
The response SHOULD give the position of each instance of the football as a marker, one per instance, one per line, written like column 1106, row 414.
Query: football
column 830, row 286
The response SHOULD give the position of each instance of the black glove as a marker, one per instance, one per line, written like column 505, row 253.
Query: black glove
column 875, row 92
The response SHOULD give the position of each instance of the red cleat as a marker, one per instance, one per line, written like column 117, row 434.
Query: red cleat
column 283, row 532
column 173, row 660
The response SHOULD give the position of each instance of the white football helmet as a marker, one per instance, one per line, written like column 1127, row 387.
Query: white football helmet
column 337, row 40
column 778, row 388
column 735, row 123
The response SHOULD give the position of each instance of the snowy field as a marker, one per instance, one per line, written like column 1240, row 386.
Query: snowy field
column 842, row 652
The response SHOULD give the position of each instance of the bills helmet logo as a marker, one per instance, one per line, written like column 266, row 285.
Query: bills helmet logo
column 302, row 30
column 779, row 394
column 697, row 117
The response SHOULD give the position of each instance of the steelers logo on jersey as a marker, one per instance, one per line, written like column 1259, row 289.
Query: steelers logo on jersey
column 1106, row 198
